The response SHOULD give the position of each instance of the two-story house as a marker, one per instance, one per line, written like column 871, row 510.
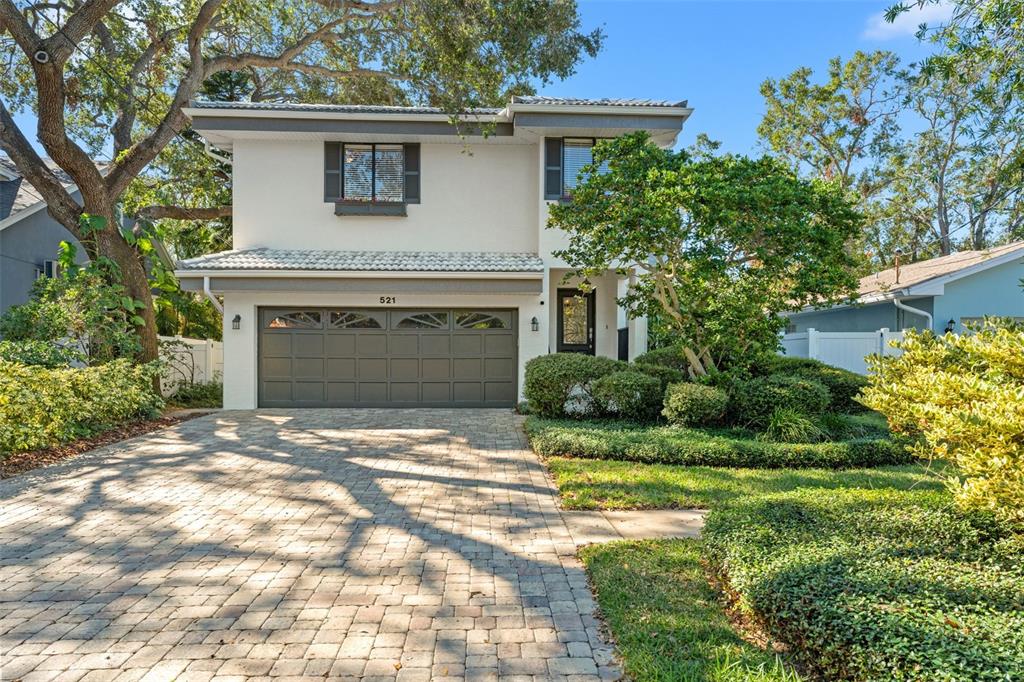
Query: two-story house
column 386, row 256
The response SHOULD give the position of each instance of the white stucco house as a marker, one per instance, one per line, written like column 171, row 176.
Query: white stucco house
column 384, row 256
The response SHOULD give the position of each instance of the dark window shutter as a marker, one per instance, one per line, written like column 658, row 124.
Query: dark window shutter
column 552, row 168
column 332, row 171
column 412, row 174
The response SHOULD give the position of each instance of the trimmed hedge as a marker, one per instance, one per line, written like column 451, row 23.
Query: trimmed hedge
column 629, row 395
column 756, row 400
column 669, row 356
column 875, row 584
column 699, row 447
column 694, row 404
column 665, row 375
column 843, row 385
column 41, row 407
column 558, row 384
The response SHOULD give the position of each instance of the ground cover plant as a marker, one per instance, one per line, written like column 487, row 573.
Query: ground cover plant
column 702, row 447
column 876, row 584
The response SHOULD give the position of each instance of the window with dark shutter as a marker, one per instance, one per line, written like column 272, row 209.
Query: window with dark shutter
column 371, row 179
column 552, row 168
column 332, row 171
column 412, row 174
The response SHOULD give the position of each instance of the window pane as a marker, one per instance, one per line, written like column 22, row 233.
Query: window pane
column 576, row 154
column 358, row 160
column 426, row 320
column 390, row 172
column 574, row 320
column 483, row 320
column 306, row 319
column 342, row 319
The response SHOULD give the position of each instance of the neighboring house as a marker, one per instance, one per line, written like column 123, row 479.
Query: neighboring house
column 941, row 294
column 29, row 238
column 386, row 257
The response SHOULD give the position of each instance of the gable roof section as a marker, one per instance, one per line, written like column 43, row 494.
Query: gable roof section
column 250, row 261
column 27, row 197
column 929, row 276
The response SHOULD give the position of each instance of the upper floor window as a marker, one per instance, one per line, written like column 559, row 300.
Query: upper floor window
column 564, row 158
column 361, row 173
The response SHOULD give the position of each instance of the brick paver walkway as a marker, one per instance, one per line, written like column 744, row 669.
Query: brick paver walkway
column 361, row 544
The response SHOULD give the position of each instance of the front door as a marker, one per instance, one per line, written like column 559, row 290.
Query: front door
column 576, row 322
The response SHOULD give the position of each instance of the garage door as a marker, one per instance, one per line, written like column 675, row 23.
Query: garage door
column 372, row 357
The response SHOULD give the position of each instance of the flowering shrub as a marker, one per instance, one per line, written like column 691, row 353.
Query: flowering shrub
column 41, row 407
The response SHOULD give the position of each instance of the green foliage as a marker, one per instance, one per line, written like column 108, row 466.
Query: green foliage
column 843, row 386
column 80, row 310
column 199, row 395
column 757, row 399
column 666, row 356
column 692, row 225
column 694, row 404
column 840, row 426
column 701, row 447
column 961, row 398
column 786, row 425
column 628, row 394
column 666, row 619
column 664, row 375
column 866, row 584
column 43, row 353
column 559, row 384
column 41, row 407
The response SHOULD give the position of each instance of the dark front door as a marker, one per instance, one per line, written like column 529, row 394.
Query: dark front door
column 576, row 321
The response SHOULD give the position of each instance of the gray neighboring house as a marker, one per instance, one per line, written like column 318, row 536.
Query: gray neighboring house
column 29, row 238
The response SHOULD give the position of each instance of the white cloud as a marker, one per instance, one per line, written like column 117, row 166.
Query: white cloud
column 906, row 24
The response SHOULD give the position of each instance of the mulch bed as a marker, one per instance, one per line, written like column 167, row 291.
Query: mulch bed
column 20, row 462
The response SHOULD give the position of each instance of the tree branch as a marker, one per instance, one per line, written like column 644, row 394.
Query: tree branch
column 64, row 40
column 184, row 212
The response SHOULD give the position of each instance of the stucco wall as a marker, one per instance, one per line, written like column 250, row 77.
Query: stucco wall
column 24, row 246
column 475, row 197
column 995, row 291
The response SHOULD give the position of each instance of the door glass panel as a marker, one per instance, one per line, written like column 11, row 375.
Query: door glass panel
column 353, row 319
column 424, row 320
column 483, row 319
column 303, row 319
column 574, row 320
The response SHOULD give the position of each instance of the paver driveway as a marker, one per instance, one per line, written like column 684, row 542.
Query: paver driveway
column 417, row 544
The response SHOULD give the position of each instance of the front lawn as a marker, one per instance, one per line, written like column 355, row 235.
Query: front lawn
column 666, row 617
column 603, row 484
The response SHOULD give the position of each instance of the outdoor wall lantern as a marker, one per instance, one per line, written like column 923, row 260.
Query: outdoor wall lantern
column 534, row 324
column 236, row 323
column 951, row 326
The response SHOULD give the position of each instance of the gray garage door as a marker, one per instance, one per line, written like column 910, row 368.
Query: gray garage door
column 373, row 357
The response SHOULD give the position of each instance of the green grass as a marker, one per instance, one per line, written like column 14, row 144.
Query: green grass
column 666, row 618
column 604, row 484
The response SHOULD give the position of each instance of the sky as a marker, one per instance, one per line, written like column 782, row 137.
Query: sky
column 716, row 53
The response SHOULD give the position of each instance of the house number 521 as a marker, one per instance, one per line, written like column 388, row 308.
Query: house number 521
column 388, row 299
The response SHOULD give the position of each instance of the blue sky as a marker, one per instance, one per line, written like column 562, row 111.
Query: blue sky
column 716, row 53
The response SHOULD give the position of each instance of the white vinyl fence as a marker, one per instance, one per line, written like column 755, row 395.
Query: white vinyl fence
column 196, row 361
column 841, row 349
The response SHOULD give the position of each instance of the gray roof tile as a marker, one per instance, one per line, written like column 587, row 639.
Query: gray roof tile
column 380, row 261
column 604, row 101
column 922, row 271
column 333, row 108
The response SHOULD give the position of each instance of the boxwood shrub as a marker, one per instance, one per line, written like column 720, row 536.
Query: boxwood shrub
column 757, row 399
column 704, row 447
column 876, row 584
column 843, row 385
column 41, row 407
column 669, row 356
column 559, row 384
column 665, row 375
column 694, row 404
column 628, row 394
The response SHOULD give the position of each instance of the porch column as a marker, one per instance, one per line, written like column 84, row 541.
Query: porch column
column 637, row 334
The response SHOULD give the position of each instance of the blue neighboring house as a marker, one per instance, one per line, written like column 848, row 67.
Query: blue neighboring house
column 942, row 294
column 29, row 238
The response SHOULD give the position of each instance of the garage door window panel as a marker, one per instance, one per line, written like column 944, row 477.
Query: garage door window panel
column 420, row 320
column 469, row 319
column 306, row 319
column 355, row 319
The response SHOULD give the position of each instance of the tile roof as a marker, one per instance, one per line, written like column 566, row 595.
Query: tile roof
column 606, row 101
column 332, row 108
column 379, row 261
column 917, row 273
